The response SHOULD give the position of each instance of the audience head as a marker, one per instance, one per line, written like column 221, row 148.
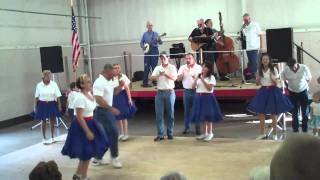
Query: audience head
column 116, row 69
column 298, row 158
column 174, row 176
column 291, row 62
column 208, row 23
column 45, row 171
column 73, row 86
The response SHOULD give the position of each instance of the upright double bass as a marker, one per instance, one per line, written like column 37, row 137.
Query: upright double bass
column 227, row 62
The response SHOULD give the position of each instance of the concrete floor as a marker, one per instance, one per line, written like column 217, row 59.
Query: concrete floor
column 230, row 155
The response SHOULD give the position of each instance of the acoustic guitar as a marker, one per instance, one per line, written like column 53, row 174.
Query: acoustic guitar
column 146, row 46
column 198, row 41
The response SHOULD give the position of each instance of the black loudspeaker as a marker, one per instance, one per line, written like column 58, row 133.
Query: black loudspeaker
column 280, row 44
column 51, row 59
column 177, row 50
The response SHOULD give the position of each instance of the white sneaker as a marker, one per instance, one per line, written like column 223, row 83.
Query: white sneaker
column 120, row 136
column 99, row 162
column 125, row 137
column 52, row 141
column 46, row 142
column 202, row 136
column 261, row 136
column 209, row 137
column 116, row 163
column 274, row 137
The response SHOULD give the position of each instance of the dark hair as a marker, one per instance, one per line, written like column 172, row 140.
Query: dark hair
column 45, row 171
column 80, row 80
column 208, row 65
column 291, row 61
column 207, row 21
column 72, row 85
column 270, row 65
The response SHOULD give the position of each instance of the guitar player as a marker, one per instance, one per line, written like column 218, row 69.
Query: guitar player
column 153, row 40
column 200, row 31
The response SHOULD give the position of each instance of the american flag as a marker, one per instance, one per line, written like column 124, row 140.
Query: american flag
column 75, row 43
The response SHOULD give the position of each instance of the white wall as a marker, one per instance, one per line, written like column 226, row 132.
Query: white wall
column 125, row 20
column 20, row 36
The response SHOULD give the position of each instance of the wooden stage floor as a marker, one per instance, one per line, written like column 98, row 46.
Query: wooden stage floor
column 232, row 89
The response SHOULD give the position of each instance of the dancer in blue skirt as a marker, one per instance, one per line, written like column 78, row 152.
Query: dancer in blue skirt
column 86, row 137
column 47, row 104
column 205, row 107
column 123, row 102
column 269, row 99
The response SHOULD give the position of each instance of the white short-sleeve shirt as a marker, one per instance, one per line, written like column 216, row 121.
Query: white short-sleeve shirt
column 71, row 97
column 48, row 92
column 103, row 87
column 201, row 88
column 122, row 78
column 252, row 33
column 188, row 72
column 297, row 81
column 315, row 108
column 266, row 79
column 164, row 82
column 84, row 103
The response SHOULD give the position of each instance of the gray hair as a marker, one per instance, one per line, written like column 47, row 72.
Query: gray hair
column 107, row 67
column 174, row 176
column 246, row 14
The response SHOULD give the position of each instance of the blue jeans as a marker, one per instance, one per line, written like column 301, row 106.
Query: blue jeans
column 108, row 121
column 299, row 100
column 164, row 101
column 150, row 61
column 253, row 61
column 188, row 98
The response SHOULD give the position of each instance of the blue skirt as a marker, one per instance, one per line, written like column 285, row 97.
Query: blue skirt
column 205, row 107
column 78, row 146
column 47, row 110
column 270, row 100
column 120, row 102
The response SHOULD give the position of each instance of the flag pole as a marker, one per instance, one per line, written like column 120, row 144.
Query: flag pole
column 74, row 69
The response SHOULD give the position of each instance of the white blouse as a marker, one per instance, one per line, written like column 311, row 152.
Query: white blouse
column 266, row 80
column 123, row 78
column 201, row 88
column 48, row 92
column 84, row 103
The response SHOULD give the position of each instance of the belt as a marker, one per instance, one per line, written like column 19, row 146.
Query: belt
column 45, row 101
column 204, row 94
column 268, row 87
column 189, row 89
column 165, row 90
column 88, row 118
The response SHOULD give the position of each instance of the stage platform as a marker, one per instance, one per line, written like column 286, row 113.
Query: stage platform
column 233, row 89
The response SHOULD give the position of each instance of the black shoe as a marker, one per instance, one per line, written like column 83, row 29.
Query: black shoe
column 198, row 132
column 170, row 137
column 158, row 138
column 76, row 177
column 186, row 131
column 224, row 78
column 154, row 83
column 146, row 85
